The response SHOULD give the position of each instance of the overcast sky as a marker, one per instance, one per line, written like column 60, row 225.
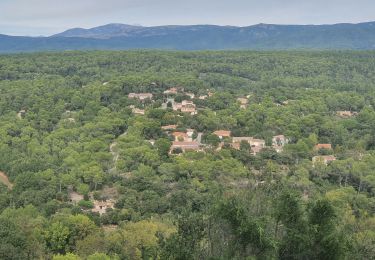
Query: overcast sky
column 46, row 17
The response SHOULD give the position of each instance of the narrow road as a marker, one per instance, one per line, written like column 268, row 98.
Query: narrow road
column 199, row 138
column 115, row 154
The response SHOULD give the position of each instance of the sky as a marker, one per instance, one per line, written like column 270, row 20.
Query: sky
column 47, row 17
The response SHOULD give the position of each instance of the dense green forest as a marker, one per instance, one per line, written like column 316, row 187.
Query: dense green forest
column 89, row 172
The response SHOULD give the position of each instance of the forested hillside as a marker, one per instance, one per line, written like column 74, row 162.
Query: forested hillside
column 201, row 37
column 187, row 155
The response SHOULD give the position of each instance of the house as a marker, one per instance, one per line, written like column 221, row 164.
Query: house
column 256, row 144
column 181, row 137
column 326, row 159
column 251, row 140
column 140, row 96
column 169, row 127
column 203, row 97
column 243, row 102
column 346, row 114
column 171, row 91
column 138, row 111
column 102, row 206
column 70, row 120
column 185, row 146
column 222, row 133
column 279, row 140
column 185, row 106
column 322, row 146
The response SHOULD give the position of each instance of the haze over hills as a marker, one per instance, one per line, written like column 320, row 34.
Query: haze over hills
column 200, row 37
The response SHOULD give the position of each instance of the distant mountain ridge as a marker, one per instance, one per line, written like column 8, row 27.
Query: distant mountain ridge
column 200, row 37
column 101, row 32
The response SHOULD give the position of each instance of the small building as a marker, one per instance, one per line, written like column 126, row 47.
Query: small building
column 70, row 120
column 222, row 133
column 185, row 146
column 243, row 102
column 279, row 140
column 326, row 159
column 185, row 106
column 138, row 111
column 322, row 146
column 346, row 114
column 140, row 96
column 203, row 97
column 258, row 143
column 171, row 91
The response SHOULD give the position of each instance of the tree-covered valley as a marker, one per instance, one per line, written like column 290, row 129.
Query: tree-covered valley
column 187, row 155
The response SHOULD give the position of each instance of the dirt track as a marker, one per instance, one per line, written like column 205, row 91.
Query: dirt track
column 4, row 179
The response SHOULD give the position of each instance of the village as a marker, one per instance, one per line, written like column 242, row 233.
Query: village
column 191, row 140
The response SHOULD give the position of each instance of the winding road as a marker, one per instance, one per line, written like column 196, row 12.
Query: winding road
column 115, row 154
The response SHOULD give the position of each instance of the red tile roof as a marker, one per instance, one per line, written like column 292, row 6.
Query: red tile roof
column 223, row 133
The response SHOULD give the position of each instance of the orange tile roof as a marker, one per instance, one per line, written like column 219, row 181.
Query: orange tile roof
column 323, row 146
column 223, row 133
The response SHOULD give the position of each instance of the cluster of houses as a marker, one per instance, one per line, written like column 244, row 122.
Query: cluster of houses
column 185, row 106
column 325, row 159
column 256, row 145
column 183, row 141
